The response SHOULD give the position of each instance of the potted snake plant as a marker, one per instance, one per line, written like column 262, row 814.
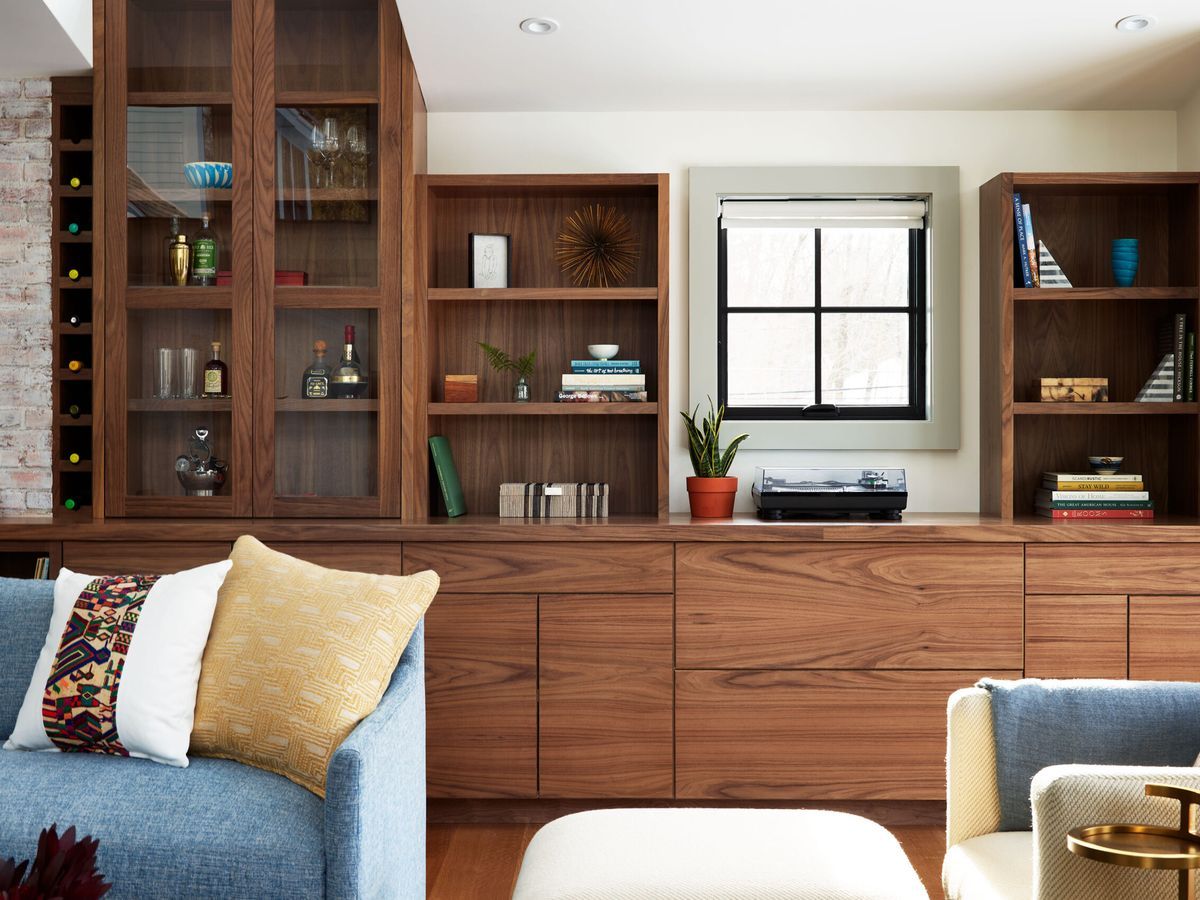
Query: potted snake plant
column 711, row 491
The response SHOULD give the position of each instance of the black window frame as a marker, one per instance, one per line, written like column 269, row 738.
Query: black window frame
column 917, row 312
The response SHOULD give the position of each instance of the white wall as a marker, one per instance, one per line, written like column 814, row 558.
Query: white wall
column 980, row 143
column 1189, row 133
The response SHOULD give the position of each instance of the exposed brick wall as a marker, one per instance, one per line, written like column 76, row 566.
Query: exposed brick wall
column 25, row 405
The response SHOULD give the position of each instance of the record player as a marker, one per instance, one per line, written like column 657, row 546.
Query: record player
column 781, row 493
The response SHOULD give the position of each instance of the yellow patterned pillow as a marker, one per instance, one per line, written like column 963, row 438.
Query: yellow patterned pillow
column 297, row 656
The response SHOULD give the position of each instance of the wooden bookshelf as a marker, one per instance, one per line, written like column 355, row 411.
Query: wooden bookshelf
column 72, row 155
column 496, row 440
column 1094, row 328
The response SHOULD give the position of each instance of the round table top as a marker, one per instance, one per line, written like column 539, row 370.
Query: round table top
column 1137, row 846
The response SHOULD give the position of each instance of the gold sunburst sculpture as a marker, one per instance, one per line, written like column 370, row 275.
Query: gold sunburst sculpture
column 597, row 247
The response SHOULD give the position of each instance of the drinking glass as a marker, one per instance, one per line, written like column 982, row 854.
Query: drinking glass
column 330, row 148
column 164, row 374
column 357, row 153
column 189, row 367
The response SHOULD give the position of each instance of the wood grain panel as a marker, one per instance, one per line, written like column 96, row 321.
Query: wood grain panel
column 1111, row 568
column 1083, row 636
column 775, row 735
column 481, row 696
column 378, row 559
column 148, row 557
column 600, row 568
column 934, row 606
column 606, row 692
column 1163, row 636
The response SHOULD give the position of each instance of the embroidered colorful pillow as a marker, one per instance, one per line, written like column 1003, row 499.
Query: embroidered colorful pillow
column 298, row 656
column 120, row 667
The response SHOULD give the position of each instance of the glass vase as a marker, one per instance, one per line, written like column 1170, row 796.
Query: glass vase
column 521, row 390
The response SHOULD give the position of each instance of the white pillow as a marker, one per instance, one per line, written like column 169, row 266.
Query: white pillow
column 125, row 652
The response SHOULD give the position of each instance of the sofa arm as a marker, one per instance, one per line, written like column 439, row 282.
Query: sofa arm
column 972, row 797
column 375, row 794
column 1066, row 797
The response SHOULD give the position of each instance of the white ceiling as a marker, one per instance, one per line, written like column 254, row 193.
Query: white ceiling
column 621, row 55
column 45, row 37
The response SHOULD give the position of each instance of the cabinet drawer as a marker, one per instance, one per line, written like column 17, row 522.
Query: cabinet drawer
column 377, row 559
column 578, row 568
column 778, row 735
column 481, row 696
column 1076, row 636
column 140, row 557
column 1163, row 635
column 1111, row 568
column 855, row 606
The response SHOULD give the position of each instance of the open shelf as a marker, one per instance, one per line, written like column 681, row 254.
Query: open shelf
column 543, row 409
column 167, row 297
column 1107, row 293
column 1105, row 409
column 200, row 404
column 302, row 405
column 586, row 294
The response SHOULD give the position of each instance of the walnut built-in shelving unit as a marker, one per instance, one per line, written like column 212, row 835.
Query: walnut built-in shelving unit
column 247, row 82
column 73, row 155
column 496, row 440
column 1092, row 329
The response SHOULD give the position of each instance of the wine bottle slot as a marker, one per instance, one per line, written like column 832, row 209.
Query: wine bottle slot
column 75, row 183
column 75, row 365
column 72, row 503
column 74, row 228
column 73, row 458
column 74, row 411
column 74, row 274
column 74, row 321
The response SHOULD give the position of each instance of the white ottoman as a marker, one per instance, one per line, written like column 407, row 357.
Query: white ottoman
column 698, row 854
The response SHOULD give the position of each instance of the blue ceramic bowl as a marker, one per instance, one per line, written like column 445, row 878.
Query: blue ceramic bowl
column 1125, row 254
column 1125, row 242
column 209, row 174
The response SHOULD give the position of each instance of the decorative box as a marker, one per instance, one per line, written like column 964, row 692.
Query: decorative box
column 554, row 500
column 462, row 388
column 1074, row 390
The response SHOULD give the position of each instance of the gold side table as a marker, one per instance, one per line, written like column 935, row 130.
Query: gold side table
column 1147, row 846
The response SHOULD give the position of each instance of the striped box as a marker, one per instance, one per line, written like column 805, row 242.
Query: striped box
column 554, row 500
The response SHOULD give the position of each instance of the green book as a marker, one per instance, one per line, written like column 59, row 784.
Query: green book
column 447, row 476
column 1190, row 388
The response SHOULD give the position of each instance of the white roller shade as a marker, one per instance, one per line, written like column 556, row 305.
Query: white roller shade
column 823, row 213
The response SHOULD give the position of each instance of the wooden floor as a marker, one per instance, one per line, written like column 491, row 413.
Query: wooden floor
column 480, row 862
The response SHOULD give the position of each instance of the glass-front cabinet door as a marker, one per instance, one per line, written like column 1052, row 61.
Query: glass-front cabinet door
column 327, row 253
column 178, row 278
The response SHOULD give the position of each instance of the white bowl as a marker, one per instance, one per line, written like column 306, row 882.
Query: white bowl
column 604, row 351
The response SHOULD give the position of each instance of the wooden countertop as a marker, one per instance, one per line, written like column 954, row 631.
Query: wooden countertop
column 915, row 527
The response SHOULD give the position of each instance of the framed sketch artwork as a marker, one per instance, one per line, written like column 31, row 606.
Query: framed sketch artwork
column 489, row 259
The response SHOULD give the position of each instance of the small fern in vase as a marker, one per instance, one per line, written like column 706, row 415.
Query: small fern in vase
column 712, row 490
column 523, row 366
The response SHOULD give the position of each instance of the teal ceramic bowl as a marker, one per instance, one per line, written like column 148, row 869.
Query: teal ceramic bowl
column 209, row 174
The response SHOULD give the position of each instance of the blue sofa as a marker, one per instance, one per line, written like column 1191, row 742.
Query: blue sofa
column 219, row 828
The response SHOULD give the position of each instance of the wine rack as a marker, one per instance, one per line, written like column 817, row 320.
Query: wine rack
column 75, row 330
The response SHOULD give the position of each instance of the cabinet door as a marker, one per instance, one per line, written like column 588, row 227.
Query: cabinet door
column 1163, row 635
column 606, row 696
column 377, row 559
column 1076, row 636
column 481, row 696
column 1110, row 568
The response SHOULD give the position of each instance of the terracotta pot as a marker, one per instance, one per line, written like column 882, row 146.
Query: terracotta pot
column 712, row 498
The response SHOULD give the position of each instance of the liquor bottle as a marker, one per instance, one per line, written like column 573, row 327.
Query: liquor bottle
column 75, row 183
column 72, row 503
column 74, row 321
column 348, row 379
column 73, row 459
column 204, row 255
column 216, row 374
column 168, row 242
column 314, row 383
column 73, row 228
column 179, row 260
column 74, row 411
column 75, row 365
column 74, row 274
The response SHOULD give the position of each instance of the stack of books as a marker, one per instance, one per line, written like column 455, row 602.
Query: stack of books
column 604, row 381
column 1070, row 495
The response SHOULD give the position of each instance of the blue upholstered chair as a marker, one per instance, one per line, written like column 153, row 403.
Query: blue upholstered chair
column 219, row 828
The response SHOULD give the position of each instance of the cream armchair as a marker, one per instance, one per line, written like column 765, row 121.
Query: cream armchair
column 985, row 864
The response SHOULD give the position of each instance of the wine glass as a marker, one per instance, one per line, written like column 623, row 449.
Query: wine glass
column 357, row 153
column 330, row 148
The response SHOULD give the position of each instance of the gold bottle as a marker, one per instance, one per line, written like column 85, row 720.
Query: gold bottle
column 179, row 257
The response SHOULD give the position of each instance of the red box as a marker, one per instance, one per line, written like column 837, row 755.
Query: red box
column 283, row 278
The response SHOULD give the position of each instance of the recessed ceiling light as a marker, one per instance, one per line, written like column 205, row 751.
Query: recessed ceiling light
column 539, row 26
column 1135, row 23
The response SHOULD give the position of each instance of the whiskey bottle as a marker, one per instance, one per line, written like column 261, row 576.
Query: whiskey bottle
column 348, row 379
column 314, row 384
column 216, row 374
column 204, row 255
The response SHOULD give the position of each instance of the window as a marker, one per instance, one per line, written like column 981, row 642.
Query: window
column 834, row 285
column 822, row 306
